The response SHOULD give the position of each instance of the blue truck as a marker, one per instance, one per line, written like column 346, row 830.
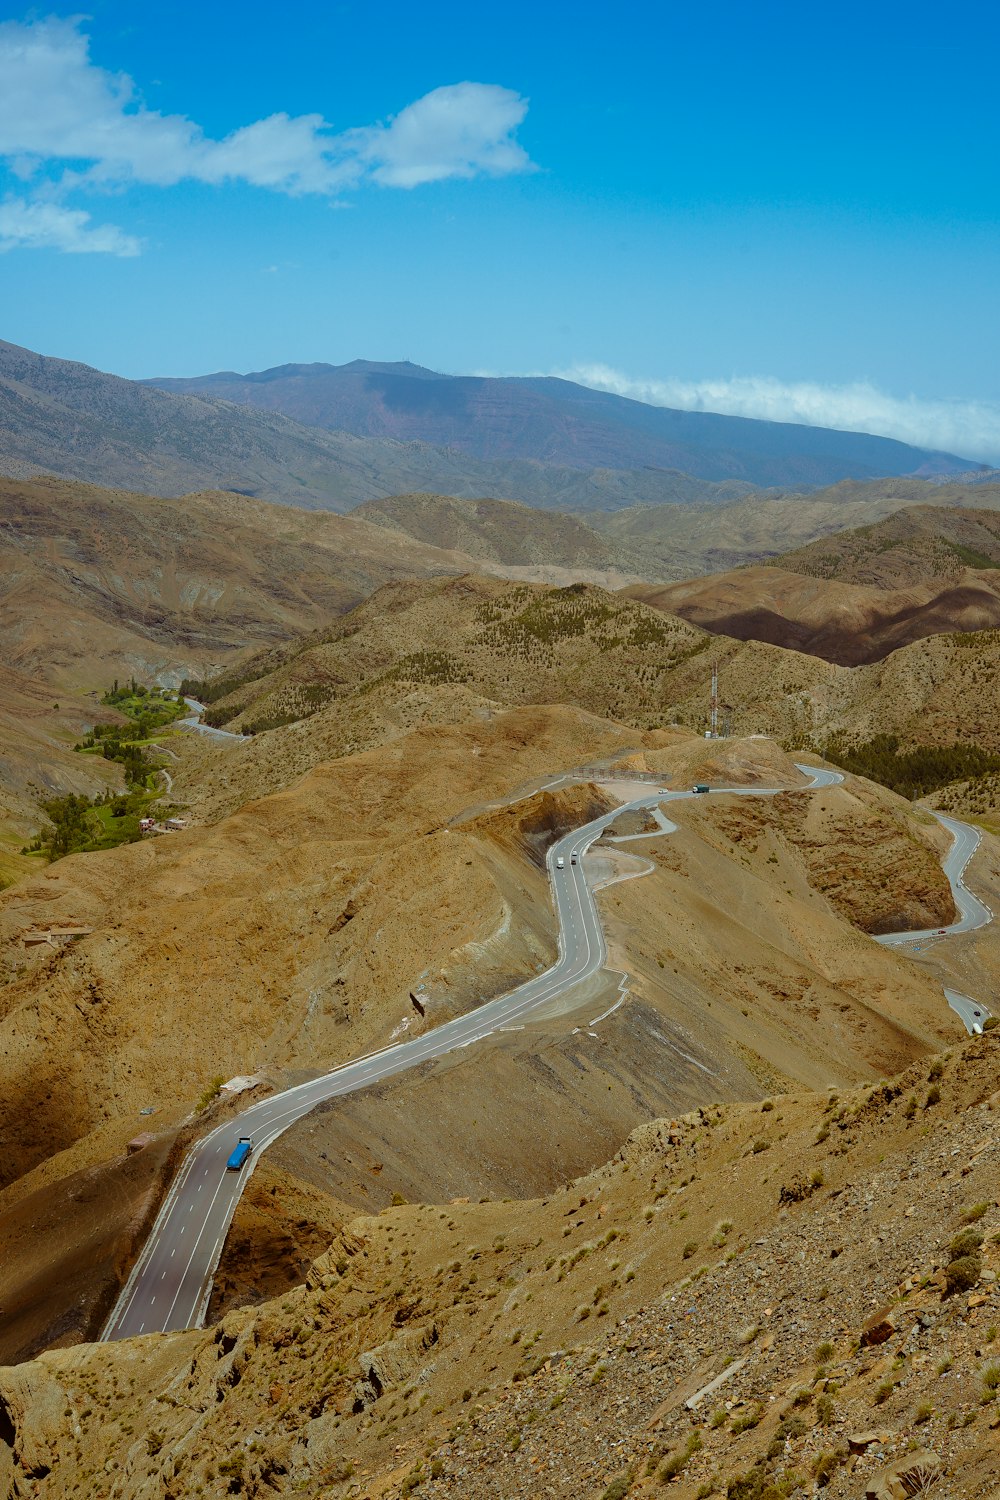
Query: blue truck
column 240, row 1153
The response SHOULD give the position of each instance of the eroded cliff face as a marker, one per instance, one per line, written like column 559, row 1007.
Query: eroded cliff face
column 876, row 862
column 758, row 1295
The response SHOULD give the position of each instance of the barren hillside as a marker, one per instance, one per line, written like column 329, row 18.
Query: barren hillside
column 929, row 542
column 859, row 594
column 687, row 541
column 507, row 642
column 96, row 578
column 462, row 649
column 787, row 1297
column 496, row 531
column 846, row 623
column 289, row 937
column 98, row 584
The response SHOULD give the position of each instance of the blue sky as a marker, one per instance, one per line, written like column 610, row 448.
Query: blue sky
column 773, row 209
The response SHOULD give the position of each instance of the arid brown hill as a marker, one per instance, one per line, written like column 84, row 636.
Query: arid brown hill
column 506, row 642
column 289, row 936
column 655, row 542
column 928, row 543
column 858, row 595
column 462, row 649
column 742, row 1299
column 499, row 531
column 157, row 585
column 686, row 541
column 97, row 584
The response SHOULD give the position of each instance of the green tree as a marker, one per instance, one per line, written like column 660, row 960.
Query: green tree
column 69, row 825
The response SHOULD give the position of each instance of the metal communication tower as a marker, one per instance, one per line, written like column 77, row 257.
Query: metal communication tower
column 714, row 731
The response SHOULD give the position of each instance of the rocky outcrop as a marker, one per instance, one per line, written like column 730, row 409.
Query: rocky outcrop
column 402, row 1358
column 906, row 1477
column 31, row 1421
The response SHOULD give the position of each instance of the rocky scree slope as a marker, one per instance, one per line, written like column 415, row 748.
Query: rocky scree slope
column 789, row 1297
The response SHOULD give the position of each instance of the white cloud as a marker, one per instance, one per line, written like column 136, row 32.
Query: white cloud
column 284, row 153
column 969, row 428
column 459, row 131
column 68, row 125
column 49, row 226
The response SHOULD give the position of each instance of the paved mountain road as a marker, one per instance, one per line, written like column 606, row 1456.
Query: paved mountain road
column 972, row 912
column 171, row 1281
column 971, row 1012
column 194, row 721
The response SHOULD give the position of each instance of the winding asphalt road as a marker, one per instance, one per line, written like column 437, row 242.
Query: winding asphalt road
column 171, row 1282
column 194, row 722
column 972, row 913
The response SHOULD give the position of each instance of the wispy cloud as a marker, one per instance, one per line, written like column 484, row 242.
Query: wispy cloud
column 49, row 226
column 67, row 125
column 970, row 428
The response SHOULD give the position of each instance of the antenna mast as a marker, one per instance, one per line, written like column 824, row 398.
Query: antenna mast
column 714, row 733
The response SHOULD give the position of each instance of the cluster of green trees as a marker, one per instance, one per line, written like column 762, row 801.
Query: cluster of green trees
column 221, row 687
column 432, row 667
column 979, row 796
column 108, row 739
column 971, row 556
column 648, row 631
column 148, row 710
column 69, row 826
column 220, row 717
column 297, row 701
column 911, row 773
column 208, row 692
column 77, row 824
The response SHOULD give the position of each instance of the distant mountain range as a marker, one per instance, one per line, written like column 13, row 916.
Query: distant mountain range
column 327, row 437
column 553, row 421
column 58, row 417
